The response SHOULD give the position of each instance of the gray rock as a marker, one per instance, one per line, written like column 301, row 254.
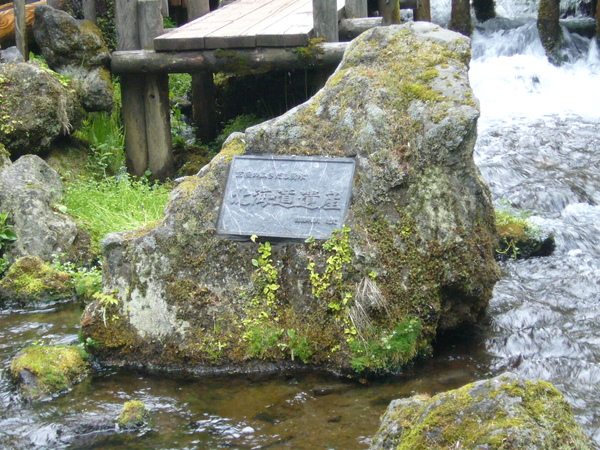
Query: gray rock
column 76, row 48
column 504, row 412
column 419, row 256
column 30, row 192
column 11, row 54
column 37, row 107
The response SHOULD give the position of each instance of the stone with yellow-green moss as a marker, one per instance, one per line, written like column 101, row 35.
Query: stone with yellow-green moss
column 505, row 412
column 46, row 371
column 30, row 280
column 133, row 415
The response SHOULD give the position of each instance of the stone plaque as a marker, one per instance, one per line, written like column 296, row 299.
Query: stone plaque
column 286, row 196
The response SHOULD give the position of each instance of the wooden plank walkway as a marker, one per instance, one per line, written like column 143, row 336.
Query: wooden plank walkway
column 246, row 24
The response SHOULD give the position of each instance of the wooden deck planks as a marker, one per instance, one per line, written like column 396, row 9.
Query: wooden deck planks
column 246, row 24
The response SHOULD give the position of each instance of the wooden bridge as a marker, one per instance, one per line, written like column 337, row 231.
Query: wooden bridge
column 262, row 33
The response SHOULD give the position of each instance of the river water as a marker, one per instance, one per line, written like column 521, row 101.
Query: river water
column 539, row 150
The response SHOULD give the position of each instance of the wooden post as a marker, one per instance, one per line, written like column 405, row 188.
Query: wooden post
column 165, row 8
column 460, row 17
column 203, row 86
column 132, row 90
column 389, row 11
column 156, row 96
column 21, row 28
column 549, row 28
column 325, row 20
column 423, row 11
column 89, row 11
column 598, row 23
column 356, row 8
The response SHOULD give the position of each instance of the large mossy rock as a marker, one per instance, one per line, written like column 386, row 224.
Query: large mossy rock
column 418, row 256
column 36, row 108
column 46, row 371
column 31, row 194
column 76, row 49
column 505, row 412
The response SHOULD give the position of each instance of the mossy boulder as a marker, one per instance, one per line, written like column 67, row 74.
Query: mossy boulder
column 134, row 415
column 31, row 281
column 31, row 193
column 505, row 412
column 76, row 49
column 36, row 108
column 46, row 371
column 416, row 254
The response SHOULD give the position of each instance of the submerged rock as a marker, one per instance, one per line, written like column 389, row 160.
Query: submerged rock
column 43, row 371
column 31, row 281
column 416, row 254
column 505, row 412
column 31, row 193
column 36, row 108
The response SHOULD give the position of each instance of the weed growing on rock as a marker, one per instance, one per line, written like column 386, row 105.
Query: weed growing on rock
column 7, row 235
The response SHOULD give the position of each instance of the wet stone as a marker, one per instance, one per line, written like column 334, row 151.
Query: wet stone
column 286, row 197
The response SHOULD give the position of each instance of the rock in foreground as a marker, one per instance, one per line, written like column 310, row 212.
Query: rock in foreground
column 416, row 254
column 43, row 371
column 505, row 412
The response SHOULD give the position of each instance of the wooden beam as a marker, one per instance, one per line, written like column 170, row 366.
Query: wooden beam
column 249, row 60
column 325, row 20
column 21, row 28
column 351, row 28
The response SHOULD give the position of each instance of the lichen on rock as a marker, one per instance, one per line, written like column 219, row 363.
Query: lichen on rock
column 416, row 254
column 505, row 412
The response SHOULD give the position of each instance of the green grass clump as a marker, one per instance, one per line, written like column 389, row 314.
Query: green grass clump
column 115, row 204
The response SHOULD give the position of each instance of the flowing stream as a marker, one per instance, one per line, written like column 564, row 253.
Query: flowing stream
column 539, row 150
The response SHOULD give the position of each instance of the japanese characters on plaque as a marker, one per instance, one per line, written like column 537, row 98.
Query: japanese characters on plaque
column 285, row 196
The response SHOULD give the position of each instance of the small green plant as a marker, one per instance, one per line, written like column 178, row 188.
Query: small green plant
column 265, row 278
column 86, row 281
column 261, row 339
column 7, row 235
column 329, row 284
column 514, row 229
column 103, row 132
column 107, row 301
column 385, row 350
column 239, row 123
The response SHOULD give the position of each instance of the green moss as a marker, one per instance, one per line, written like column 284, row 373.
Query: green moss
column 55, row 369
column 134, row 415
column 311, row 51
column 31, row 278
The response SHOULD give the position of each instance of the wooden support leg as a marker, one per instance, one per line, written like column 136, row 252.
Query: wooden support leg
column 389, row 11
column 423, row 11
column 134, row 122
column 155, row 96
column 356, row 8
column 21, row 28
column 158, row 126
column 460, row 17
column 549, row 28
column 204, row 108
column 89, row 11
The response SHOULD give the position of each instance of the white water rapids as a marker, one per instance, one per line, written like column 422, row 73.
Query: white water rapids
column 539, row 150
